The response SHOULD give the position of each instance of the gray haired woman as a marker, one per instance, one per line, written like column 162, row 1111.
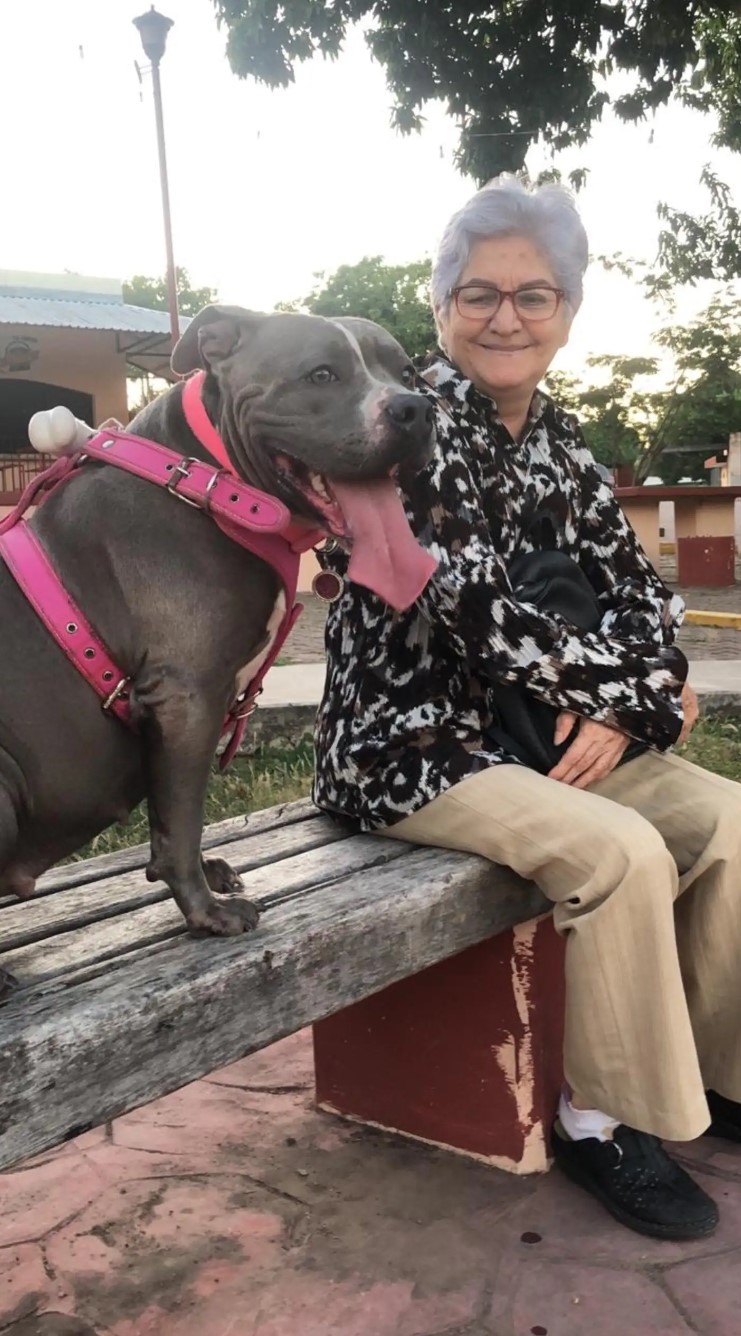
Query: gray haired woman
column 412, row 740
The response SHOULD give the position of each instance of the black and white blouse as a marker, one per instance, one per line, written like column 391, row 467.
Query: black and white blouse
column 405, row 700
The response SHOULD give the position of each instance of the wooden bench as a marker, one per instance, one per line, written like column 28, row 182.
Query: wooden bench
column 435, row 996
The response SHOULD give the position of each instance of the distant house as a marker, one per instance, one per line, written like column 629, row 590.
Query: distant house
column 67, row 339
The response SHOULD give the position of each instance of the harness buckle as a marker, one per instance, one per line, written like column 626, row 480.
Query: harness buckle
column 248, row 707
column 213, row 480
column 181, row 470
column 115, row 695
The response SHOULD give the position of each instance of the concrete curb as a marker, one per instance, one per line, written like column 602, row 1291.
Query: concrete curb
column 719, row 703
column 284, row 726
column 728, row 621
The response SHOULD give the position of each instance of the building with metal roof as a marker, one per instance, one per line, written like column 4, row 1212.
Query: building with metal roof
column 68, row 339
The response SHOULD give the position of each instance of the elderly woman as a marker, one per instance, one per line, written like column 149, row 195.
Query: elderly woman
column 639, row 853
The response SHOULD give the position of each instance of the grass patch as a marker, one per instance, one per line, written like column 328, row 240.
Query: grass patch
column 715, row 744
column 272, row 775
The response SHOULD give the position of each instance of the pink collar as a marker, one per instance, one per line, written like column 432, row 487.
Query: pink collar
column 200, row 423
column 299, row 536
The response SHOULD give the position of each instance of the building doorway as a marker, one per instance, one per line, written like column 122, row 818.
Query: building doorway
column 19, row 400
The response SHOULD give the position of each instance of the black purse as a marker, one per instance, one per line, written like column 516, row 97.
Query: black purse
column 524, row 726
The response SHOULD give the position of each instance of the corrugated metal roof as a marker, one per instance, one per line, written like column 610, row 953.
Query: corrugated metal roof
column 58, row 313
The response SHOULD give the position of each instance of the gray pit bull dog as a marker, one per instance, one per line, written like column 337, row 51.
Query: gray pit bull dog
column 314, row 411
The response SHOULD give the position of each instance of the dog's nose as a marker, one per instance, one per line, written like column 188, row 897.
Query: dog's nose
column 410, row 412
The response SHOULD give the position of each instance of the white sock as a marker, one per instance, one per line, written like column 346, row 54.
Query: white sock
column 578, row 1124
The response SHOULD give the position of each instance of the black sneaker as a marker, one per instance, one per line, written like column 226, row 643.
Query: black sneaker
column 638, row 1183
column 726, row 1117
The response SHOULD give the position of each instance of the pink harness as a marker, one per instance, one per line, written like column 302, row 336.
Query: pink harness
column 256, row 521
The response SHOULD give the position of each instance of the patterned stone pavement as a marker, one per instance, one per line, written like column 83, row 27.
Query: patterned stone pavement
column 234, row 1208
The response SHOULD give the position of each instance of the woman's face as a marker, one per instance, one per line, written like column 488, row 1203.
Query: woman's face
column 506, row 351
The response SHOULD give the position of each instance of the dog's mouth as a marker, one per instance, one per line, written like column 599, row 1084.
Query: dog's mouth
column 318, row 491
column 368, row 519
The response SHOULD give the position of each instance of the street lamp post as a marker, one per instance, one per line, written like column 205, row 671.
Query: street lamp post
column 153, row 29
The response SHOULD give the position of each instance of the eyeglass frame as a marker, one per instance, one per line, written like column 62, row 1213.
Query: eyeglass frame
column 509, row 295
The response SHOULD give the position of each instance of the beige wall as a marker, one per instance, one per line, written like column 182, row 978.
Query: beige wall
column 308, row 569
column 78, row 359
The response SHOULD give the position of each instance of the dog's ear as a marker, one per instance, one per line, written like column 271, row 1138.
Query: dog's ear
column 211, row 335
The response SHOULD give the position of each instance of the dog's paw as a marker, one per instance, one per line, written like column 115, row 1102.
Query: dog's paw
column 226, row 918
column 221, row 877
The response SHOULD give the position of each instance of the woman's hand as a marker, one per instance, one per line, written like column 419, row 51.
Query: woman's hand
column 691, row 709
column 593, row 754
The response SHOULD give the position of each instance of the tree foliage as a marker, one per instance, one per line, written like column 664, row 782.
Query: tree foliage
column 707, row 247
column 396, row 296
column 612, row 410
column 627, row 419
column 511, row 71
column 152, row 293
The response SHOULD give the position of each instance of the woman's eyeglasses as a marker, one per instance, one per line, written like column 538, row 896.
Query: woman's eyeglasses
column 481, row 301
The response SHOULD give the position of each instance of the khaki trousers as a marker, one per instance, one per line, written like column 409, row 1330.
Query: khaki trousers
column 644, row 870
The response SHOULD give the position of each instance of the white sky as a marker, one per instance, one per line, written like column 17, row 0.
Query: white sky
column 269, row 187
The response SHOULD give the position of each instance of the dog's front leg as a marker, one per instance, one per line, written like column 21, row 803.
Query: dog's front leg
column 181, row 729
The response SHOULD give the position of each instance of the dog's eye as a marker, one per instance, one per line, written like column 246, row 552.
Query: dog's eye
column 409, row 376
column 321, row 375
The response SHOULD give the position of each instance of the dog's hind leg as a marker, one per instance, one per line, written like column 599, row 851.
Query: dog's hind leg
column 8, row 842
column 8, row 838
column 15, row 879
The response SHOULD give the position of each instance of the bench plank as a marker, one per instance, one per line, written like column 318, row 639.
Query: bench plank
column 102, row 940
column 74, row 1057
column 73, row 907
column 307, row 882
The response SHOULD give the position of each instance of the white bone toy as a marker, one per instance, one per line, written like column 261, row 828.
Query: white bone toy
column 56, row 431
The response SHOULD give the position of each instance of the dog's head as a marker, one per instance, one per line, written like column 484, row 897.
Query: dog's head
column 323, row 414
column 309, row 408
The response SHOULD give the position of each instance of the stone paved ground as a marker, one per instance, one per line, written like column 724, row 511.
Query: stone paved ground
column 306, row 644
column 234, row 1208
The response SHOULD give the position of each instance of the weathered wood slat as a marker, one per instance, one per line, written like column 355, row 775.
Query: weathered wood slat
column 100, row 942
column 66, row 910
column 220, row 832
column 332, row 863
column 71, row 1059
column 95, row 943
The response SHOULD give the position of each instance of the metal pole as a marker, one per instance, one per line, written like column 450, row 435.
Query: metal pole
column 172, row 287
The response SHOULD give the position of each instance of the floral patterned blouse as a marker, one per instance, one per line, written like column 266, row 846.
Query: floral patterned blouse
column 405, row 703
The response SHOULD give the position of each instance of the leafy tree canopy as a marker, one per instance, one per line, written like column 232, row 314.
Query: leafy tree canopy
column 627, row 420
column 394, row 295
column 152, row 293
column 511, row 71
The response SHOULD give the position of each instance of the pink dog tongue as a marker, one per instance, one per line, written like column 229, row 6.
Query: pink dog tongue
column 386, row 556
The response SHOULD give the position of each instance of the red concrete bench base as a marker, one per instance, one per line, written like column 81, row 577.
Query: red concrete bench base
column 465, row 1054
